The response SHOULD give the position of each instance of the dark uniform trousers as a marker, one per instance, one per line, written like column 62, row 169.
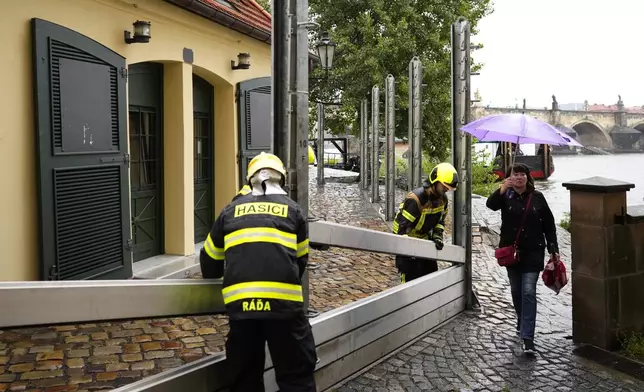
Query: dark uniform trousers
column 292, row 348
column 411, row 268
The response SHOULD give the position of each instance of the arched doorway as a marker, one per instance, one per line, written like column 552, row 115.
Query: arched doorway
column 591, row 135
column 203, row 147
column 145, row 89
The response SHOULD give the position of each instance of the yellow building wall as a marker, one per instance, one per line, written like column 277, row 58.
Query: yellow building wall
column 104, row 21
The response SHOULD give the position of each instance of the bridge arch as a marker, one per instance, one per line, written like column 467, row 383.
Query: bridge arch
column 640, row 127
column 592, row 134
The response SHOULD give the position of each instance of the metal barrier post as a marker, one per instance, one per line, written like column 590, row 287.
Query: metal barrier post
column 390, row 132
column 279, row 82
column 298, row 105
column 415, row 153
column 364, row 145
column 462, row 147
column 375, row 143
column 320, row 156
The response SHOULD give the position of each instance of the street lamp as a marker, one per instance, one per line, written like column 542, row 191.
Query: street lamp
column 326, row 49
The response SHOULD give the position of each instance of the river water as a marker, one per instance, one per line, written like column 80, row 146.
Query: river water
column 623, row 167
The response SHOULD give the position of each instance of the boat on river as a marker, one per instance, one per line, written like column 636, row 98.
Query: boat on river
column 538, row 157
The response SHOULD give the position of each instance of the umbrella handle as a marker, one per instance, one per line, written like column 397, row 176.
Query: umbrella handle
column 514, row 156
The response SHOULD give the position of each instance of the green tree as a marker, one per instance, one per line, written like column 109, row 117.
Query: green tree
column 266, row 4
column 379, row 37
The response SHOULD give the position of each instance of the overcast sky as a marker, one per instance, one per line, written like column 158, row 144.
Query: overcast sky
column 576, row 49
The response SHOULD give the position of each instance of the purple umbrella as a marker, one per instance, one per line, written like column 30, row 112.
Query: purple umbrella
column 570, row 141
column 518, row 129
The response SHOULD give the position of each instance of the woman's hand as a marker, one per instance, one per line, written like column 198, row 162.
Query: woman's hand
column 507, row 183
column 555, row 257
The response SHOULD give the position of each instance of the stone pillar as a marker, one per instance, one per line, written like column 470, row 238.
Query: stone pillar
column 226, row 182
column 178, row 177
column 607, row 279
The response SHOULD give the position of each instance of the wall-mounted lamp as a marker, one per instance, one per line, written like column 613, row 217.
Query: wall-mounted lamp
column 326, row 49
column 243, row 61
column 141, row 33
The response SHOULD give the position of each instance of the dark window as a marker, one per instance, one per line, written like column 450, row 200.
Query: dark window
column 144, row 149
column 254, row 111
column 203, row 146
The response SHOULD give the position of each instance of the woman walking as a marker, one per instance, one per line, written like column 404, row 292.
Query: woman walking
column 528, row 224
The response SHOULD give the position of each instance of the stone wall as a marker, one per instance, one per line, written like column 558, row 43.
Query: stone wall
column 607, row 262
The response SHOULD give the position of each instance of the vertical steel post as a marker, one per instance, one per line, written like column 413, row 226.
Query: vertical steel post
column 320, row 156
column 375, row 146
column 390, row 134
column 415, row 154
column 279, row 83
column 300, row 98
column 462, row 146
column 298, row 107
column 364, row 145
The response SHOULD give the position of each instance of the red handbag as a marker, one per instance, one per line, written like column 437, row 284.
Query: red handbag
column 507, row 255
column 554, row 275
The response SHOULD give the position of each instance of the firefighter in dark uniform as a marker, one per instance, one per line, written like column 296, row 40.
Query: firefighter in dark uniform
column 422, row 215
column 245, row 190
column 263, row 239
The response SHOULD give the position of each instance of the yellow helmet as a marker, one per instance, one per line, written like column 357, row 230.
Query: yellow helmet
column 446, row 174
column 311, row 155
column 265, row 161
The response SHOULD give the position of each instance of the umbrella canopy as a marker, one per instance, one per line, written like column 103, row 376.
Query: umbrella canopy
column 518, row 129
column 569, row 138
column 566, row 130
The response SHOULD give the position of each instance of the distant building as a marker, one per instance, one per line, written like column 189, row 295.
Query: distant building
column 614, row 108
column 572, row 106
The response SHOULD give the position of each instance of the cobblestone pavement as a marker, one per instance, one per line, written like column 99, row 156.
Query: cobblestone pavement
column 104, row 356
column 480, row 351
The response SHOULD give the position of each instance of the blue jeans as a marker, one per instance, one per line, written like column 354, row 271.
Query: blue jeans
column 523, row 286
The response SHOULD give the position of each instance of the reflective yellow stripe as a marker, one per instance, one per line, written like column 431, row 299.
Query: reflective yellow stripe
column 264, row 290
column 303, row 248
column 260, row 234
column 408, row 216
column 402, row 278
column 421, row 221
column 428, row 211
column 212, row 251
column 395, row 227
column 439, row 227
column 245, row 190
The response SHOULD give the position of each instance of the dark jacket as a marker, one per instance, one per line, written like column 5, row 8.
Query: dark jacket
column 421, row 215
column 262, row 241
column 245, row 190
column 539, row 230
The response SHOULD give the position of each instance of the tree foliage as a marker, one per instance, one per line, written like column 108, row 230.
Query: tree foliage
column 379, row 37
column 266, row 4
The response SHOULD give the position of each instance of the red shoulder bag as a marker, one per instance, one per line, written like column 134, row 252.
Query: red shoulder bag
column 507, row 255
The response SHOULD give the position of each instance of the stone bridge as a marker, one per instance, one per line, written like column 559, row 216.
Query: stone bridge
column 612, row 130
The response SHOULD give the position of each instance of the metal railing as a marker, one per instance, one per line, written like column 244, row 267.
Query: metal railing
column 341, row 236
column 348, row 338
column 48, row 303
column 44, row 303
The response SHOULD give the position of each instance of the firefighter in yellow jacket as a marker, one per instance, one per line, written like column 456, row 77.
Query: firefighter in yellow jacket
column 422, row 215
column 263, row 239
